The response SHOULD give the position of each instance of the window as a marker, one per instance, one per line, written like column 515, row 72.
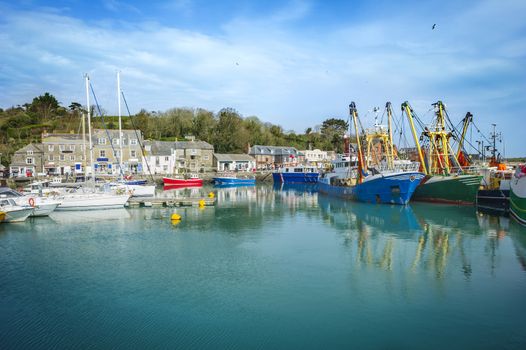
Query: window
column 50, row 148
column 101, row 141
column 115, row 141
column 133, row 141
column 50, row 157
column 61, row 147
column 72, row 158
column 133, row 153
column 71, row 147
column 206, row 157
column 116, row 153
column 30, row 152
column 62, row 157
column 29, row 160
column 166, row 159
column 193, row 151
column 102, row 153
column 82, row 147
column 81, row 158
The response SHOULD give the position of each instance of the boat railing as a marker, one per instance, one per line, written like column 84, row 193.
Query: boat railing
column 398, row 167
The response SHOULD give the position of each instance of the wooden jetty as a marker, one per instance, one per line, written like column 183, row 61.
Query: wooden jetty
column 155, row 202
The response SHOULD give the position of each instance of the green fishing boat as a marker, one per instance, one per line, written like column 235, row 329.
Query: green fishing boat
column 449, row 178
column 518, row 195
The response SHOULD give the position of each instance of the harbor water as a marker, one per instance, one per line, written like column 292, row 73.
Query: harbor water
column 266, row 267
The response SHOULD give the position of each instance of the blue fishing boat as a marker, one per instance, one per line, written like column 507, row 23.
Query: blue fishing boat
column 356, row 178
column 233, row 180
column 386, row 188
column 296, row 174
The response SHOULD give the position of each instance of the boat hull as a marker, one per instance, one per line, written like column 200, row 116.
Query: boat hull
column 295, row 178
column 233, row 181
column 92, row 202
column 453, row 189
column 44, row 209
column 182, row 182
column 518, row 199
column 17, row 214
column 395, row 188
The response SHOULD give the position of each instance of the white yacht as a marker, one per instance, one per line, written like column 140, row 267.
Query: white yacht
column 11, row 212
column 41, row 206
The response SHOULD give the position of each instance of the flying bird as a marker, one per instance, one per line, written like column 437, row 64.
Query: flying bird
column 237, row 64
column 434, row 25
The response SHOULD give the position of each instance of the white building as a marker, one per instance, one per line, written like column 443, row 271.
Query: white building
column 317, row 157
column 234, row 162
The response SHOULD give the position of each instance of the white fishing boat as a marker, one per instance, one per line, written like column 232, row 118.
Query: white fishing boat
column 41, row 206
column 11, row 212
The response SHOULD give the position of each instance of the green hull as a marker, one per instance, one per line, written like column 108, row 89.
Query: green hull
column 517, row 204
column 461, row 189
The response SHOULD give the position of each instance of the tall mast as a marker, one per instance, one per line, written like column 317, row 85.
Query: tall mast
column 352, row 110
column 390, row 158
column 89, row 125
column 443, row 136
column 467, row 119
column 408, row 110
column 84, row 157
column 120, row 120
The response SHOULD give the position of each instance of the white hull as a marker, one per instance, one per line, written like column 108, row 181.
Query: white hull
column 141, row 190
column 92, row 202
column 15, row 214
column 44, row 209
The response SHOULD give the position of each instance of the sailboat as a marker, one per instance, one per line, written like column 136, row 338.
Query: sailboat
column 136, row 188
column 86, row 199
column 447, row 180
column 353, row 178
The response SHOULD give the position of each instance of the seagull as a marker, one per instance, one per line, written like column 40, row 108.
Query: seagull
column 434, row 25
column 237, row 64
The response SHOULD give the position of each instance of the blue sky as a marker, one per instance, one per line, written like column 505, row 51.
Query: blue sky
column 293, row 63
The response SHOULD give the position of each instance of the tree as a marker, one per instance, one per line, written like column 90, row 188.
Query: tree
column 332, row 131
column 230, row 135
column 44, row 106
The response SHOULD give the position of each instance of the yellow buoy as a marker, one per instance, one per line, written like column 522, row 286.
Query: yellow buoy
column 202, row 203
column 211, row 195
column 175, row 217
column 2, row 216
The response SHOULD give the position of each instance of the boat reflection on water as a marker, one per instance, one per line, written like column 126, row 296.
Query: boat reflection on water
column 424, row 238
column 64, row 217
column 299, row 188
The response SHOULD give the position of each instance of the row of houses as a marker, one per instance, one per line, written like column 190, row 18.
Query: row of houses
column 62, row 154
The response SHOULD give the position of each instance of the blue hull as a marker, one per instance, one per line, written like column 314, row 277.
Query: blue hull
column 389, row 189
column 295, row 178
column 229, row 181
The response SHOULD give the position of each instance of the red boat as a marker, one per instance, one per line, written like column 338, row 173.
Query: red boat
column 193, row 180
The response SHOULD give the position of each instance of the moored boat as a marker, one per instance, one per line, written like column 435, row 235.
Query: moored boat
column 356, row 178
column 92, row 201
column 233, row 180
column 449, row 177
column 192, row 180
column 518, row 195
column 11, row 212
column 41, row 206
column 296, row 174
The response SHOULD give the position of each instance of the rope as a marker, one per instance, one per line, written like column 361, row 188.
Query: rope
column 137, row 135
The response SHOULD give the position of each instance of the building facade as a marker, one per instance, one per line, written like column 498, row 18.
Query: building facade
column 271, row 157
column 234, row 162
column 107, row 152
column 64, row 153
column 27, row 161
column 317, row 157
column 194, row 156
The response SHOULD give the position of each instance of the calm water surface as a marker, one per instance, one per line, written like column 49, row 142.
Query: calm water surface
column 265, row 268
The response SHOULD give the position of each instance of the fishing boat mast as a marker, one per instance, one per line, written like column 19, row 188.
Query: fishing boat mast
column 409, row 111
column 353, row 112
column 390, row 158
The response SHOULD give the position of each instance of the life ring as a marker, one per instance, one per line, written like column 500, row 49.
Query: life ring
column 32, row 201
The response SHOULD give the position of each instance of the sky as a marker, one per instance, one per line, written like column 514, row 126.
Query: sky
column 293, row 63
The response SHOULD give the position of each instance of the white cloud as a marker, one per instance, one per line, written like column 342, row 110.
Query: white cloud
column 261, row 67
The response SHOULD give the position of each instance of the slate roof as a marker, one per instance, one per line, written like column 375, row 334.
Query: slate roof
column 273, row 150
column 193, row 145
column 160, row 148
column 234, row 157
